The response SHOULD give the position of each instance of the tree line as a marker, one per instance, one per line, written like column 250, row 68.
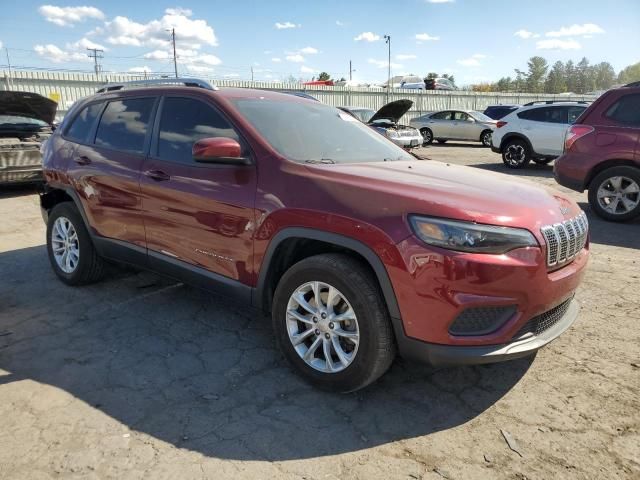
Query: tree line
column 581, row 77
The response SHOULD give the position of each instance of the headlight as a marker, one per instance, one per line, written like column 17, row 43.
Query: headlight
column 391, row 133
column 470, row 237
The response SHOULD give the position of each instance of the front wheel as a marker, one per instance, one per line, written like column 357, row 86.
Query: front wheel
column 515, row 154
column 69, row 246
column 485, row 138
column 427, row 136
column 614, row 194
column 331, row 323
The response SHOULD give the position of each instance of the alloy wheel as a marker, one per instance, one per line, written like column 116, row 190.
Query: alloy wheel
column 322, row 327
column 618, row 195
column 65, row 245
column 515, row 154
column 486, row 139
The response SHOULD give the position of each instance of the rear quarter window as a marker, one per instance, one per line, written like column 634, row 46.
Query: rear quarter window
column 625, row 110
column 83, row 122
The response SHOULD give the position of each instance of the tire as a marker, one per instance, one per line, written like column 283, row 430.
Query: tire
column 84, row 266
column 620, row 185
column 356, row 291
column 516, row 153
column 543, row 161
column 441, row 141
column 485, row 138
column 427, row 136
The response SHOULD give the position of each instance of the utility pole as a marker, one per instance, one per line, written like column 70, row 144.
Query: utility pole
column 350, row 71
column 175, row 62
column 96, row 55
column 387, row 40
column 252, row 73
column 9, row 80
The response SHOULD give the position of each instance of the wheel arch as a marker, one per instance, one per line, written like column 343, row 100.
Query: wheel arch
column 483, row 132
column 519, row 136
column 291, row 245
column 602, row 166
column 52, row 196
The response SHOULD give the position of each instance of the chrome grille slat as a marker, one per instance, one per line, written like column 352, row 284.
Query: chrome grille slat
column 565, row 240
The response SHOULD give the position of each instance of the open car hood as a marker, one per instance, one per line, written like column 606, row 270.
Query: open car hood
column 392, row 111
column 27, row 104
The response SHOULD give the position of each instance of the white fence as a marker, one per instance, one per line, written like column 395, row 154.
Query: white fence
column 67, row 87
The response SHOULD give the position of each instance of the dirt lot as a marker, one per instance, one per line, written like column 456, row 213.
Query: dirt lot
column 139, row 377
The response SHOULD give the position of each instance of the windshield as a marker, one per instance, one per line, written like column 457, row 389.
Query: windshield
column 313, row 132
column 13, row 120
column 481, row 117
column 363, row 115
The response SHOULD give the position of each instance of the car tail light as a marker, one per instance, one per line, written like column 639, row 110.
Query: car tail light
column 500, row 124
column 574, row 133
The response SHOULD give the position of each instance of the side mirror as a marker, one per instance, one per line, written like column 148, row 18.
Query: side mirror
column 221, row 150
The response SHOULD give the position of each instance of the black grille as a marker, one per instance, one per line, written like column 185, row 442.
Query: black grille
column 544, row 321
column 481, row 320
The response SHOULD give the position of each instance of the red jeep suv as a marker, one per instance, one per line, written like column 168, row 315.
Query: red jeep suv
column 602, row 154
column 357, row 249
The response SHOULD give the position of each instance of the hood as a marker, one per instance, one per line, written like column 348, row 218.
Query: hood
column 392, row 111
column 450, row 191
column 27, row 104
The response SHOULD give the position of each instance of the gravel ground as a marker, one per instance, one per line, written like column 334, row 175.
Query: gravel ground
column 140, row 377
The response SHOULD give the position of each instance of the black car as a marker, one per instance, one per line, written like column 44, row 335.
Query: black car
column 498, row 111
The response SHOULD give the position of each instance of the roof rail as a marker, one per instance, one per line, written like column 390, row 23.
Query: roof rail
column 187, row 82
column 550, row 102
column 633, row 84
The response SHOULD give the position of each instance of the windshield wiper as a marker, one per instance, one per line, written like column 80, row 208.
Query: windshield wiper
column 325, row 161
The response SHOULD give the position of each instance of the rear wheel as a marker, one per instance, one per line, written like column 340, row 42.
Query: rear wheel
column 427, row 136
column 485, row 138
column 71, row 252
column 614, row 194
column 516, row 154
column 331, row 323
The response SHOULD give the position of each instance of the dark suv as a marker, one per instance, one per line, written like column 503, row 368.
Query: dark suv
column 357, row 249
column 602, row 154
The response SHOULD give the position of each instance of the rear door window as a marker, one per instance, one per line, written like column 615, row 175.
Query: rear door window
column 125, row 124
column 83, row 122
column 184, row 121
column 626, row 110
column 546, row 114
column 441, row 116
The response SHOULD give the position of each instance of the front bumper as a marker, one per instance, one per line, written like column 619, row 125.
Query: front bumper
column 408, row 142
column 443, row 355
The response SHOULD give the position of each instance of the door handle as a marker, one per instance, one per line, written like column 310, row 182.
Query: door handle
column 82, row 160
column 157, row 175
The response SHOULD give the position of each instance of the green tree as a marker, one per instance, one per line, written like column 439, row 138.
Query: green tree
column 556, row 80
column 630, row 74
column 604, row 76
column 536, row 75
column 585, row 81
column 505, row 84
column 449, row 77
column 431, row 76
column 570, row 76
column 324, row 76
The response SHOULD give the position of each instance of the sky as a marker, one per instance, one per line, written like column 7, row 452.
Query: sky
column 477, row 41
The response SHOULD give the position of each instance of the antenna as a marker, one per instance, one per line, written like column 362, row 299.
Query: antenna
column 97, row 54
